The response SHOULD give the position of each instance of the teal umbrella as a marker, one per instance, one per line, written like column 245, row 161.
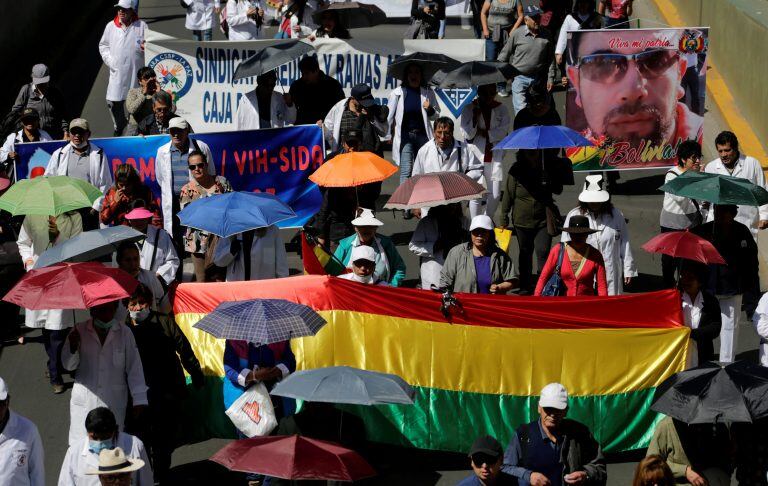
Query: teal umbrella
column 717, row 189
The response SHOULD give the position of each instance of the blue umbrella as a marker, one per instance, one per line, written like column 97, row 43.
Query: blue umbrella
column 343, row 384
column 543, row 137
column 261, row 321
column 89, row 245
column 235, row 212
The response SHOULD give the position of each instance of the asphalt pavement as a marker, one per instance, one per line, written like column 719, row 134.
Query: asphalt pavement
column 635, row 194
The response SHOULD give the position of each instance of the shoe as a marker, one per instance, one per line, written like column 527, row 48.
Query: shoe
column 58, row 389
column 407, row 214
column 503, row 94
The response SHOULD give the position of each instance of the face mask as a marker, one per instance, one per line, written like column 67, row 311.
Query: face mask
column 139, row 315
column 96, row 446
column 365, row 280
column 79, row 146
column 102, row 324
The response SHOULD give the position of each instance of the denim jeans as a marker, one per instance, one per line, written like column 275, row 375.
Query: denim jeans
column 53, row 341
column 519, row 85
column 620, row 23
column 203, row 35
column 492, row 50
column 410, row 144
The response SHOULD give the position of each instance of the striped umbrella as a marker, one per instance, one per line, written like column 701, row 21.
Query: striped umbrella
column 434, row 189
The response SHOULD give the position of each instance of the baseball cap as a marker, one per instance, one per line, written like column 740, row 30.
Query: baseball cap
column 554, row 395
column 139, row 213
column 362, row 94
column 80, row 123
column 486, row 445
column 40, row 74
column 481, row 221
column 178, row 122
column 533, row 11
column 3, row 390
column 125, row 4
column 30, row 113
column 363, row 252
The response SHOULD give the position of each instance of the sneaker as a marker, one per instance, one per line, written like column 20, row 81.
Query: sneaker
column 58, row 389
column 503, row 93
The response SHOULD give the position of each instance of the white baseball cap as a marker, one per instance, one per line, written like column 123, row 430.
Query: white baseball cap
column 3, row 390
column 593, row 190
column 366, row 218
column 178, row 122
column 363, row 252
column 481, row 221
column 554, row 395
column 126, row 4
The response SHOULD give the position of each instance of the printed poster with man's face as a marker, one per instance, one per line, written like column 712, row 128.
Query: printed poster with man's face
column 636, row 94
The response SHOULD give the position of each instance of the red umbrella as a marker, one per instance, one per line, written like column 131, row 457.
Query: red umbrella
column 434, row 189
column 684, row 244
column 294, row 457
column 71, row 286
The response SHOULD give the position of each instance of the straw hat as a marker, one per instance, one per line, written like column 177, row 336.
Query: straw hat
column 113, row 461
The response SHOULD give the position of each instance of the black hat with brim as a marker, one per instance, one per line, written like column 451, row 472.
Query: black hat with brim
column 579, row 225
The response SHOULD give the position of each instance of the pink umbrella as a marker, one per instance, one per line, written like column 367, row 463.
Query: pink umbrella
column 434, row 189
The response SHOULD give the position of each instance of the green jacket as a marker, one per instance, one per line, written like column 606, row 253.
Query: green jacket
column 396, row 266
column 459, row 274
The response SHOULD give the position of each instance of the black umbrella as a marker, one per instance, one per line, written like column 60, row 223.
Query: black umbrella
column 474, row 73
column 429, row 63
column 271, row 58
column 353, row 15
column 736, row 392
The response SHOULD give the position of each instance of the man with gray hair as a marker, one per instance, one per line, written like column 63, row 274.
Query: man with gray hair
column 156, row 123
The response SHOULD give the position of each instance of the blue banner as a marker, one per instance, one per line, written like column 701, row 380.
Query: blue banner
column 276, row 160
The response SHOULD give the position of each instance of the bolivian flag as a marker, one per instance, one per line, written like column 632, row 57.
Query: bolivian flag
column 475, row 373
column 317, row 261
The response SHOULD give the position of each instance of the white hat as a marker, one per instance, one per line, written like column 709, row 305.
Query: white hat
column 113, row 461
column 554, row 395
column 3, row 390
column 481, row 221
column 593, row 190
column 363, row 252
column 178, row 122
column 366, row 218
column 126, row 4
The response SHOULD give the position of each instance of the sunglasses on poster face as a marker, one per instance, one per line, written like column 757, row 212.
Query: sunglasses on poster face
column 609, row 67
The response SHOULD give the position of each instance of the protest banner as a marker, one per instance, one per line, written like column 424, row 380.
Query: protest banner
column 199, row 74
column 637, row 94
column 275, row 160
column 477, row 372
column 393, row 8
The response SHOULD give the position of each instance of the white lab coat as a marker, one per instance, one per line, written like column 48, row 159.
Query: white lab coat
column 79, row 459
column 10, row 146
column 33, row 241
column 612, row 239
column 268, row 258
column 164, row 177
column 396, row 105
column 240, row 26
column 160, row 302
column 200, row 14
column 248, row 112
column 105, row 375
column 760, row 320
column 500, row 122
column 166, row 262
column 99, row 174
column 332, row 125
column 122, row 51
column 422, row 244
column 21, row 453
column 747, row 168
column 430, row 159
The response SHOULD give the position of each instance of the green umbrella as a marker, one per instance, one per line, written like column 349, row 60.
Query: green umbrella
column 48, row 196
column 717, row 189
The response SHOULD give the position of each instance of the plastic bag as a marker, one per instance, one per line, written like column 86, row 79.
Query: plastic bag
column 253, row 413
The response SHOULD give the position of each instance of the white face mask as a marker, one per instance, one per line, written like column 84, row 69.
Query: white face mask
column 139, row 315
column 365, row 280
column 80, row 145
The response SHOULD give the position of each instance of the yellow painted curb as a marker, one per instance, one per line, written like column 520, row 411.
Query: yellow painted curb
column 721, row 94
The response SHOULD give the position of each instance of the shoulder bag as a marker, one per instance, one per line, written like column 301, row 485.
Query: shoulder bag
column 555, row 286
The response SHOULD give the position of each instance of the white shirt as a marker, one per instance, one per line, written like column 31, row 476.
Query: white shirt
column 268, row 258
column 106, row 373
column 422, row 244
column 747, row 168
column 241, row 27
column 21, row 453
column 79, row 459
column 500, row 122
column 280, row 114
column 99, row 174
column 760, row 320
column 166, row 262
column 431, row 158
column 122, row 51
column 677, row 212
column 692, row 317
column 200, row 14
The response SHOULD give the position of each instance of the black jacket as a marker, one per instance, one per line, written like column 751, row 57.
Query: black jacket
column 314, row 101
column 709, row 327
column 739, row 250
column 147, row 126
column 52, row 108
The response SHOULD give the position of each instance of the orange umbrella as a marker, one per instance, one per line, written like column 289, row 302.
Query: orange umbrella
column 352, row 169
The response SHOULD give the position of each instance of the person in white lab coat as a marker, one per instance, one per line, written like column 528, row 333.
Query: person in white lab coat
column 264, row 107
column 363, row 263
column 37, row 234
column 612, row 237
column 244, row 18
column 103, row 434
column 265, row 259
column 21, row 449
column 734, row 163
column 128, row 259
column 157, row 253
column 122, row 50
column 411, row 107
column 30, row 132
column 484, row 123
column 442, row 229
column 760, row 320
column 200, row 18
column 105, row 356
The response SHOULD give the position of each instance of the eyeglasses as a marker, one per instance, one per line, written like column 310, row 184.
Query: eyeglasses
column 197, row 166
column 609, row 68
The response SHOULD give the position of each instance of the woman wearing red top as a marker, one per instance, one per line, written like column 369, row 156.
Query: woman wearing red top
column 127, row 193
column 582, row 262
